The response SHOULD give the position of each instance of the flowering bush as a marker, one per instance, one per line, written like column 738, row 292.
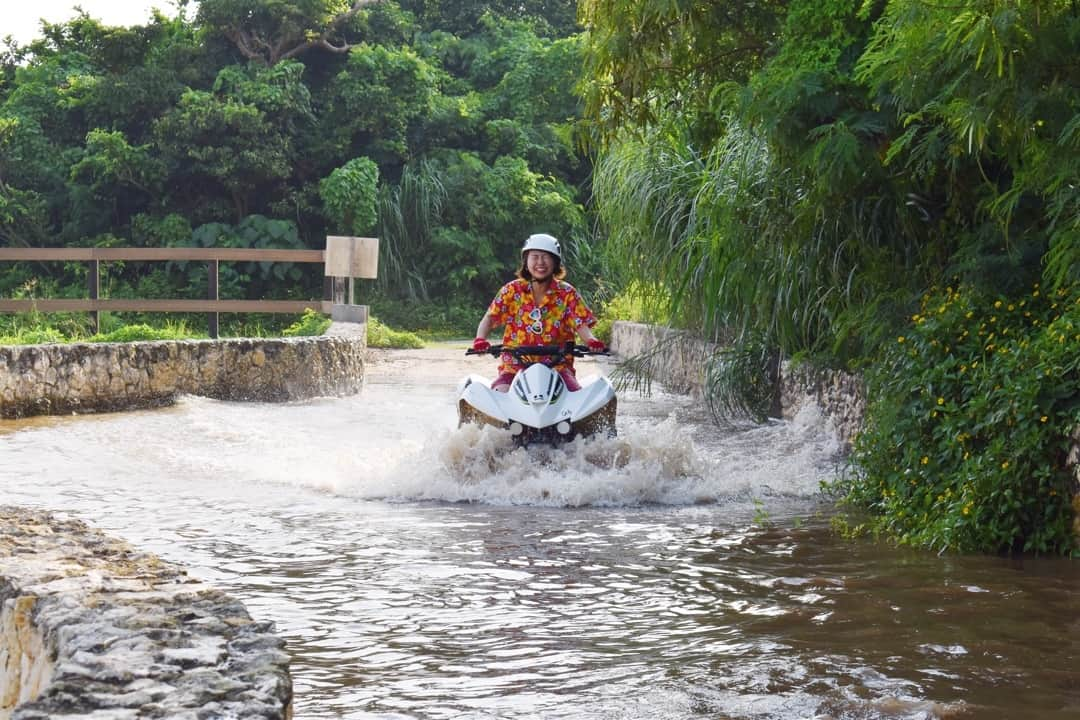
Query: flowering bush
column 967, row 434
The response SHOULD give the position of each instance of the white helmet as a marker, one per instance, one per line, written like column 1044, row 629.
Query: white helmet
column 542, row 241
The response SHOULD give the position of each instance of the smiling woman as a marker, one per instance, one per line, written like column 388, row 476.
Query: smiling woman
column 23, row 21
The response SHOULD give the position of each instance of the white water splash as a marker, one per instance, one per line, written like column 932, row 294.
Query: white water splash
column 646, row 464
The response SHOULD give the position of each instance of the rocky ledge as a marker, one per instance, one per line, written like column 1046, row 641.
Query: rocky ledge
column 99, row 377
column 92, row 628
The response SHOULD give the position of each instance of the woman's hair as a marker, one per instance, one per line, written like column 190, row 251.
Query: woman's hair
column 523, row 272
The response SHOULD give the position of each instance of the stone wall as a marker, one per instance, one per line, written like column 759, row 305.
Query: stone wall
column 840, row 395
column 92, row 628
column 679, row 359
column 97, row 377
column 675, row 356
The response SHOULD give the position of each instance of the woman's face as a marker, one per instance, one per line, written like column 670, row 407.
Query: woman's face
column 541, row 264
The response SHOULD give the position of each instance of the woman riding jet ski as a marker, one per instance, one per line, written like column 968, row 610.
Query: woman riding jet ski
column 541, row 313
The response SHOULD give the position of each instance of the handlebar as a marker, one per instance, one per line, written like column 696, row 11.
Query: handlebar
column 521, row 351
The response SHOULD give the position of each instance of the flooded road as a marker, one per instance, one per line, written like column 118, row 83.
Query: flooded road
column 418, row 570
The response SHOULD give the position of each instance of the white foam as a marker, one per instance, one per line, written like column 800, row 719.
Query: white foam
column 646, row 464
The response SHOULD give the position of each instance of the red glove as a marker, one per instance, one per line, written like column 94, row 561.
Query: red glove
column 596, row 346
column 480, row 345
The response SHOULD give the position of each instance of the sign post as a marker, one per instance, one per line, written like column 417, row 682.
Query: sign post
column 349, row 257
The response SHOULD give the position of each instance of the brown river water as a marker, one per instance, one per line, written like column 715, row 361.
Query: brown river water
column 418, row 570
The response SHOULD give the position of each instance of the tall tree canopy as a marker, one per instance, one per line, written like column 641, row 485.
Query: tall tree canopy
column 268, row 31
column 298, row 119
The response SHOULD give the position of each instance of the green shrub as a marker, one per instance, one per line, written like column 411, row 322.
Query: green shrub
column 449, row 320
column 142, row 332
column 636, row 303
column 968, row 430
column 381, row 336
column 33, row 336
column 311, row 323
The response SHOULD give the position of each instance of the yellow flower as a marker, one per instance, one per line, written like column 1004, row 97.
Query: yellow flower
column 997, row 304
column 900, row 339
column 1005, row 465
column 941, row 401
column 925, row 460
column 1043, row 419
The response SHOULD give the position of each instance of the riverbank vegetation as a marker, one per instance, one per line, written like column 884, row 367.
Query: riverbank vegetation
column 969, row 430
column 797, row 179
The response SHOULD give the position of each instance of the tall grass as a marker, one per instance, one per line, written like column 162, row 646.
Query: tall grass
column 750, row 257
column 407, row 212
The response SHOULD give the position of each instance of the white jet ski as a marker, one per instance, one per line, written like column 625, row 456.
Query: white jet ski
column 539, row 408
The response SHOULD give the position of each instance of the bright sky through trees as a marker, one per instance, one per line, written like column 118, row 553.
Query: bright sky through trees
column 23, row 19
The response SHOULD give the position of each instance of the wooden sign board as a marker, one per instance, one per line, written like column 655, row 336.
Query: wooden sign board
column 352, row 257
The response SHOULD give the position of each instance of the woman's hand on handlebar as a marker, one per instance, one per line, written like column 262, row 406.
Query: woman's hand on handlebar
column 480, row 345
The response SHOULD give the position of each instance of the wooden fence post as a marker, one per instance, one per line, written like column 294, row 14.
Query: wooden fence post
column 212, row 285
column 93, row 287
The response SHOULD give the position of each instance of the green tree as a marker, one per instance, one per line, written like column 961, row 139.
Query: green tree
column 25, row 213
column 238, row 138
column 116, row 176
column 462, row 17
column 987, row 121
column 487, row 213
column 650, row 61
column 350, row 196
column 372, row 103
column 218, row 128
column 269, row 31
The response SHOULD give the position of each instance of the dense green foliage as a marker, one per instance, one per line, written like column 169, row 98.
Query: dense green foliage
column 970, row 428
column 384, row 336
column 310, row 323
column 795, row 176
column 810, row 192
column 447, row 129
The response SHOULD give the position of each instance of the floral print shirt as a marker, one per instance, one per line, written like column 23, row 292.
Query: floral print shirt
column 553, row 321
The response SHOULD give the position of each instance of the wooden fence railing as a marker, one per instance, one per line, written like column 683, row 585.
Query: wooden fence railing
column 343, row 255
